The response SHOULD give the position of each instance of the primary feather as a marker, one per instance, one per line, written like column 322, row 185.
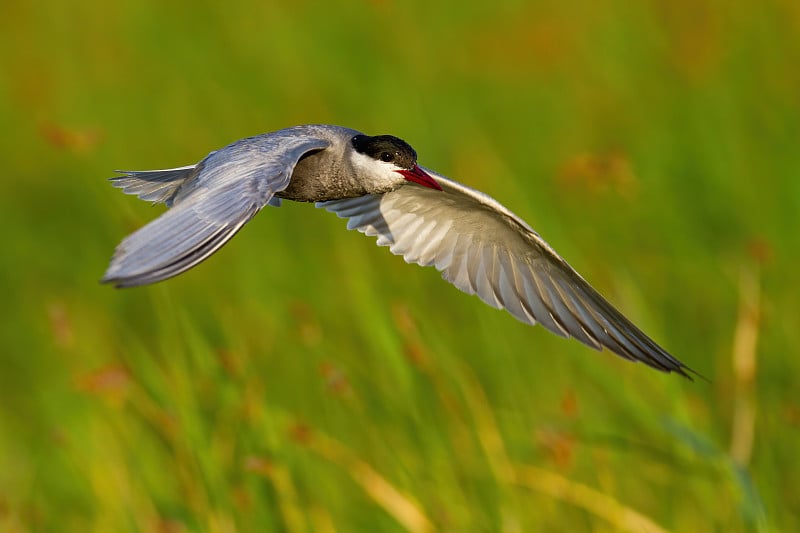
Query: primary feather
column 482, row 248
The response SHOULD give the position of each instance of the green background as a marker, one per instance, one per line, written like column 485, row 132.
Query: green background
column 304, row 379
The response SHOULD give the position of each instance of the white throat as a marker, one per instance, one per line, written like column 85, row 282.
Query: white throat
column 376, row 176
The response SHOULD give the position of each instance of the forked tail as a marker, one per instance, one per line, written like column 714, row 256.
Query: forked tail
column 154, row 185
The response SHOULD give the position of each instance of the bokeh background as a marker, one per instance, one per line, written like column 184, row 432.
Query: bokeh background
column 304, row 379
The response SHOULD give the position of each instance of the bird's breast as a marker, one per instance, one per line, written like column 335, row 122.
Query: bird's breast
column 318, row 177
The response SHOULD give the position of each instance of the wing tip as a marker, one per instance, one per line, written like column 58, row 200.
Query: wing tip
column 119, row 281
column 149, row 277
column 664, row 362
column 689, row 373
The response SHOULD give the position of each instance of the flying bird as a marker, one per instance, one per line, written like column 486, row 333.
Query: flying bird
column 375, row 182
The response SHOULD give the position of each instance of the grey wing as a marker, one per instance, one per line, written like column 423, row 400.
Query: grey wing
column 154, row 185
column 230, row 187
column 482, row 248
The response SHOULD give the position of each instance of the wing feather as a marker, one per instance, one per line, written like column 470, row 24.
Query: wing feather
column 228, row 188
column 153, row 185
column 482, row 248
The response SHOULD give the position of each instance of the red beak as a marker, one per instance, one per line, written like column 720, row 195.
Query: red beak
column 417, row 175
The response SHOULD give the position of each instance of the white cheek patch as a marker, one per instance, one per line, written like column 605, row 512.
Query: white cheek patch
column 380, row 171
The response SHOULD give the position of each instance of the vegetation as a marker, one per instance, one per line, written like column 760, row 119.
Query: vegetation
column 305, row 380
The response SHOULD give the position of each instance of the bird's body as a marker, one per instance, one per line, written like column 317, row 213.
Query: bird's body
column 479, row 246
column 341, row 180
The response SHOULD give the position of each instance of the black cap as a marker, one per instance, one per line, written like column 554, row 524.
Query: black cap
column 386, row 148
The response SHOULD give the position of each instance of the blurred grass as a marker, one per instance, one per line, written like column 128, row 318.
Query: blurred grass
column 303, row 379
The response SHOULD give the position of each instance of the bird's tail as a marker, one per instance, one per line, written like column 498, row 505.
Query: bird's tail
column 154, row 185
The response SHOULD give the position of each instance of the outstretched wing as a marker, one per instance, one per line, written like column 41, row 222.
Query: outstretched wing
column 482, row 248
column 231, row 185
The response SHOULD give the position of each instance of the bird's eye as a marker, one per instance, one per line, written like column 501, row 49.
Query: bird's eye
column 386, row 156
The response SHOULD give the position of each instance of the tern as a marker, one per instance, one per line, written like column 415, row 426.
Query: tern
column 375, row 182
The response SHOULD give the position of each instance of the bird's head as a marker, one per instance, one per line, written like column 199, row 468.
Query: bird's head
column 386, row 162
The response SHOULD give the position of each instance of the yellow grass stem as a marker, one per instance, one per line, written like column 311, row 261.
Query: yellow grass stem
column 552, row 484
column 601, row 505
column 745, row 345
column 401, row 507
column 281, row 478
column 488, row 433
